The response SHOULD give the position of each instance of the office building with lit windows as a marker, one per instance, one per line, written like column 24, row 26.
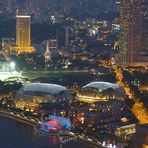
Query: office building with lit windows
column 23, row 44
column 144, row 11
column 130, row 36
column 144, row 32
column 103, row 103
column 123, row 130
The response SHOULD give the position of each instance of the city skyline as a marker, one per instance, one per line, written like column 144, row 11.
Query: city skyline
column 73, row 73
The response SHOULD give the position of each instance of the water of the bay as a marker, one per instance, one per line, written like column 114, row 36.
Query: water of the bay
column 14, row 134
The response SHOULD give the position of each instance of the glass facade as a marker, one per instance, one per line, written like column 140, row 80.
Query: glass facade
column 37, row 96
column 101, row 91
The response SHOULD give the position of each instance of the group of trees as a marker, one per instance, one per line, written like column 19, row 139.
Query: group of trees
column 9, row 87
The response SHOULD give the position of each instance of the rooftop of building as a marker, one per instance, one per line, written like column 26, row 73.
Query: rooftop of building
column 23, row 16
column 101, row 85
column 44, row 87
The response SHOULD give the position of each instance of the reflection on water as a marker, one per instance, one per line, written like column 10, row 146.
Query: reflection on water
column 17, row 135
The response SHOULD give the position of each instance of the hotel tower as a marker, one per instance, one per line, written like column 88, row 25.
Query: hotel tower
column 23, row 44
column 130, row 36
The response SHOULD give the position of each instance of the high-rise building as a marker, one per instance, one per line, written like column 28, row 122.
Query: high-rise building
column 130, row 37
column 23, row 44
column 144, row 25
column 67, row 6
column 32, row 6
column 144, row 33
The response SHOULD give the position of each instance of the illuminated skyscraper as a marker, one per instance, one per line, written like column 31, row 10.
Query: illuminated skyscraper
column 144, row 25
column 23, row 35
column 130, row 37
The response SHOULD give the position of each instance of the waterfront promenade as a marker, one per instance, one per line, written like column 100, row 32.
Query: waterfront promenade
column 19, row 118
column 64, row 137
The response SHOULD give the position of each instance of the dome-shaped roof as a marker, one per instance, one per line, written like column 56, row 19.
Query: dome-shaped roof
column 42, row 96
column 44, row 87
column 101, row 91
column 100, row 86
